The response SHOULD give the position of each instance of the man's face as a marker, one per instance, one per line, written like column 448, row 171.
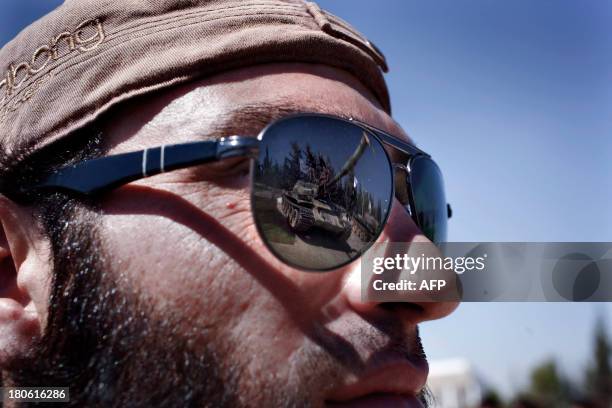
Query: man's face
column 201, row 286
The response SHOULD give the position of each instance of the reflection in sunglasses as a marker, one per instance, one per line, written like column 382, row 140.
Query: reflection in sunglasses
column 319, row 204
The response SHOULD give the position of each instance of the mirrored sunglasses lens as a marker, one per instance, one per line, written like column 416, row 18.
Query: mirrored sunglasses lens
column 429, row 198
column 321, row 191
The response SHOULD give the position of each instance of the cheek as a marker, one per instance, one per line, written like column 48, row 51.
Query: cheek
column 183, row 275
column 173, row 251
column 196, row 254
column 233, row 211
column 166, row 263
column 167, row 246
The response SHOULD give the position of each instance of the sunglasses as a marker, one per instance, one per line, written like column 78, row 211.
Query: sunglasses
column 321, row 186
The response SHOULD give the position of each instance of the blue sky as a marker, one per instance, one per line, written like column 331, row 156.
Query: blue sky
column 513, row 99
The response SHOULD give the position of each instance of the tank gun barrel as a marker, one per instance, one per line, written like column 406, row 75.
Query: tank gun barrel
column 352, row 161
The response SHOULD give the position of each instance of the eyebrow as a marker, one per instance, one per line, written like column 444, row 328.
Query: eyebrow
column 250, row 119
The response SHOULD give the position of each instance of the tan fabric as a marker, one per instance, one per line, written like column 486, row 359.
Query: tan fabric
column 64, row 70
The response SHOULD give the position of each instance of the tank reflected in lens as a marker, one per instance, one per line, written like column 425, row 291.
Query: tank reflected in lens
column 321, row 191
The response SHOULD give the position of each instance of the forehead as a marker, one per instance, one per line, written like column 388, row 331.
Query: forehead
column 242, row 102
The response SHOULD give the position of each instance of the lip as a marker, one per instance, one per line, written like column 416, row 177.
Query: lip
column 394, row 382
column 380, row 401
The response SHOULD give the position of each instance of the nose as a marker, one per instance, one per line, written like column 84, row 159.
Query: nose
column 400, row 228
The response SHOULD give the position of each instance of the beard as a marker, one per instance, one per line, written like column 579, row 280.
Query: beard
column 112, row 347
column 107, row 344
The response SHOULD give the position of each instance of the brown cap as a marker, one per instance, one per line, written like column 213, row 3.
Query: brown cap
column 64, row 70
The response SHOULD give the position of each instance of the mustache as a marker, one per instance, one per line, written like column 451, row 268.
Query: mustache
column 332, row 355
column 359, row 344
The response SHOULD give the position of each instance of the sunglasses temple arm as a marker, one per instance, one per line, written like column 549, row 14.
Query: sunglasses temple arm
column 395, row 141
column 98, row 175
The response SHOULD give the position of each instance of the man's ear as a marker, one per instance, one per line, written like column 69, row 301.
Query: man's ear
column 24, row 280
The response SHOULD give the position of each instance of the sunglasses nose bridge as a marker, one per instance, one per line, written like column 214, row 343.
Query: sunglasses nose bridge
column 401, row 184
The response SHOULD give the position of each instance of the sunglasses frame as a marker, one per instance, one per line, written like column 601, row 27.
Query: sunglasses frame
column 94, row 177
column 382, row 137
